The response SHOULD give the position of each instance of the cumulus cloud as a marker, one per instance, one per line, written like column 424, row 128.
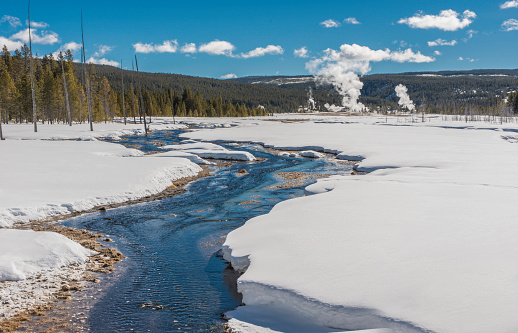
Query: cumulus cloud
column 72, row 46
column 44, row 37
column 229, row 76
column 188, row 48
column 442, row 42
column 261, row 51
column 438, row 53
column 168, row 46
column 103, row 61
column 103, row 49
column 218, row 47
column 13, row 21
column 351, row 20
column 341, row 67
column 301, row 53
column 37, row 25
column 330, row 23
column 467, row 59
column 447, row 20
column 10, row 44
column 509, row 4
column 510, row 25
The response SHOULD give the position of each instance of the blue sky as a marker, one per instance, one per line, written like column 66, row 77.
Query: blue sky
column 259, row 37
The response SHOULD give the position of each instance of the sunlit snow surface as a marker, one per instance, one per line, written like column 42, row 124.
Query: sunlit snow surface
column 43, row 176
column 426, row 242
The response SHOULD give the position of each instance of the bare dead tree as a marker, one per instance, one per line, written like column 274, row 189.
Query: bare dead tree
column 140, row 94
column 123, row 104
column 172, row 105
column 66, row 92
column 34, row 115
column 132, row 94
column 86, row 77
column 1, row 135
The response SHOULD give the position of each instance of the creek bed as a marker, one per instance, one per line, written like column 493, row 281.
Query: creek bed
column 172, row 278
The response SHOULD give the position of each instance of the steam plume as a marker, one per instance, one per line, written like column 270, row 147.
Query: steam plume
column 341, row 68
column 404, row 99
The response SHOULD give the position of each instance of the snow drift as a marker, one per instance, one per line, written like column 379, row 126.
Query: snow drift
column 26, row 252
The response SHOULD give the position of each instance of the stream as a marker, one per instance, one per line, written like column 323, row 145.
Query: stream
column 172, row 278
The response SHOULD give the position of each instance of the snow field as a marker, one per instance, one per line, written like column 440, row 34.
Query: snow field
column 426, row 241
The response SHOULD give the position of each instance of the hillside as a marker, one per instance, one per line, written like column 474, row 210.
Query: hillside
column 442, row 90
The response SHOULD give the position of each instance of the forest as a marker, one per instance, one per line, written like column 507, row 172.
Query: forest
column 53, row 75
column 458, row 92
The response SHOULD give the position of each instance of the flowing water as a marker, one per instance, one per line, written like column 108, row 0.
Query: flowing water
column 172, row 278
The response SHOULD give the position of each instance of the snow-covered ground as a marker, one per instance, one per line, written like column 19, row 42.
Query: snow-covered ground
column 50, row 172
column 426, row 242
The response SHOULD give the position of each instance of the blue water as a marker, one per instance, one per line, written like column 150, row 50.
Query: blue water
column 170, row 245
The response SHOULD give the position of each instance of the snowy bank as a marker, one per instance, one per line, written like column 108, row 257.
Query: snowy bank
column 210, row 150
column 26, row 252
column 42, row 178
column 425, row 242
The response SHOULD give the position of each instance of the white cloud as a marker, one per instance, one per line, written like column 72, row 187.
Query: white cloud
column 168, row 46
column 218, row 47
column 13, row 21
column 188, row 48
column 10, row 44
column 37, row 25
column 229, row 76
column 261, row 51
column 438, row 53
column 510, row 25
column 72, row 46
column 301, row 53
column 509, row 4
column 330, row 23
column 103, row 49
column 45, row 37
column 103, row 61
column 447, row 20
column 471, row 33
column 467, row 59
column 442, row 42
column 351, row 20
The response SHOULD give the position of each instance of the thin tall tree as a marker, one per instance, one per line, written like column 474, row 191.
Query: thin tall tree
column 172, row 105
column 140, row 94
column 69, row 115
column 1, row 135
column 132, row 94
column 34, row 115
column 123, row 104
column 86, row 77
column 132, row 89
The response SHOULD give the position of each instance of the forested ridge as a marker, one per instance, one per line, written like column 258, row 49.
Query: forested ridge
column 440, row 92
column 106, row 94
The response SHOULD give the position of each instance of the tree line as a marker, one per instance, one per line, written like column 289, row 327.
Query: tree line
column 106, row 102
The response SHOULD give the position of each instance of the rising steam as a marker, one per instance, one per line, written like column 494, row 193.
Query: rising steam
column 341, row 68
column 404, row 99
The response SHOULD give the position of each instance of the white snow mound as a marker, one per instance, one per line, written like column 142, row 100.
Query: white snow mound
column 26, row 252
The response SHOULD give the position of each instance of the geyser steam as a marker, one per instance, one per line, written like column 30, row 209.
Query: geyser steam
column 341, row 68
column 404, row 99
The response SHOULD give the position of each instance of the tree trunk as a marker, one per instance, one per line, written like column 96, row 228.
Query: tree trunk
column 123, row 104
column 141, row 99
column 34, row 115
column 66, row 95
column 86, row 77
